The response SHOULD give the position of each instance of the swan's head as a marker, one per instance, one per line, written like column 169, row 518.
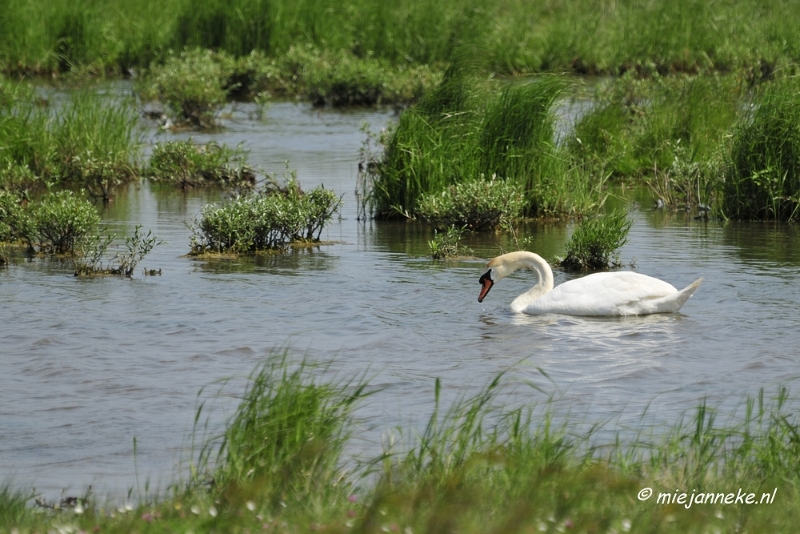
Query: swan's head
column 496, row 269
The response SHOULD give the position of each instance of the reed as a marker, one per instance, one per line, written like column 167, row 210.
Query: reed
column 468, row 128
column 638, row 125
column 483, row 463
column 762, row 180
column 89, row 142
column 756, row 38
column 287, row 435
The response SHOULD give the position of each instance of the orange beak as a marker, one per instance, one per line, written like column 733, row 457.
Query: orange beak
column 486, row 283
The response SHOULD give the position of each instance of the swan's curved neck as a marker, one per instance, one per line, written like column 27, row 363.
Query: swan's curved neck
column 534, row 262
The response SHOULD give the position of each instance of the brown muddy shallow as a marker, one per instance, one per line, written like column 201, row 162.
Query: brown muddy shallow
column 86, row 365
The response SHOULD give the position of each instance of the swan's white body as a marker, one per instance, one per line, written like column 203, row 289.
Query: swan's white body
column 614, row 293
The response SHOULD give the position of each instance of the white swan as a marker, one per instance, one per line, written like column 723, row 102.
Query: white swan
column 614, row 293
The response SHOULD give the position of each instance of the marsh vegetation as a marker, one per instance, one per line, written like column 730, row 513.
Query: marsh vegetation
column 480, row 463
column 698, row 104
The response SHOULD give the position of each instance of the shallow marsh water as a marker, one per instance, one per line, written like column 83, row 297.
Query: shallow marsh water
column 86, row 365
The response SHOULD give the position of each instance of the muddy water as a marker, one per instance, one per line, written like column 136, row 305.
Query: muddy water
column 86, row 366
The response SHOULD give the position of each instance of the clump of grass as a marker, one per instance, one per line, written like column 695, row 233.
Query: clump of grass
column 595, row 243
column 90, row 253
column 475, row 205
column 269, row 219
column 89, row 142
column 763, row 178
column 286, row 436
column 468, row 127
column 187, row 164
column 636, row 126
column 447, row 244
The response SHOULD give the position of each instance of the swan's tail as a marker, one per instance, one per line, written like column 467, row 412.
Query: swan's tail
column 685, row 293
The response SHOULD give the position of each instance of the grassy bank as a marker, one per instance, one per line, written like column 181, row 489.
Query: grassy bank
column 479, row 465
column 596, row 37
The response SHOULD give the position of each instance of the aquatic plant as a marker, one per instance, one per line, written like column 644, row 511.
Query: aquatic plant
column 90, row 142
column 636, row 127
column 59, row 221
column 269, row 219
column 191, row 86
column 595, row 243
column 90, row 253
column 762, row 180
column 187, row 164
column 467, row 127
column 287, row 434
column 447, row 244
column 475, row 205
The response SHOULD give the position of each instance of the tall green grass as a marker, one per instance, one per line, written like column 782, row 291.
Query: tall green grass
column 763, row 179
column 755, row 37
column 87, row 141
column 639, row 126
column 467, row 129
column 287, row 434
column 491, row 461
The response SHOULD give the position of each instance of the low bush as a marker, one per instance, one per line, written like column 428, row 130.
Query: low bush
column 475, row 205
column 187, row 164
column 58, row 222
column 90, row 253
column 269, row 219
column 13, row 219
column 447, row 244
column 595, row 242
column 191, row 85
column 762, row 180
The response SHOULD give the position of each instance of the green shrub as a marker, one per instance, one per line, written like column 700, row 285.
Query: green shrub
column 12, row 217
column 186, row 164
column 269, row 219
column 90, row 253
column 20, row 179
column 475, row 205
column 447, row 244
column 595, row 242
column 192, row 86
column 59, row 221
column 763, row 178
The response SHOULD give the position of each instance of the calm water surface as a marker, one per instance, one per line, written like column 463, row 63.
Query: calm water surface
column 86, row 365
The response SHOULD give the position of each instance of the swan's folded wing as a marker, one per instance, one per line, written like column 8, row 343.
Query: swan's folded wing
column 618, row 293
